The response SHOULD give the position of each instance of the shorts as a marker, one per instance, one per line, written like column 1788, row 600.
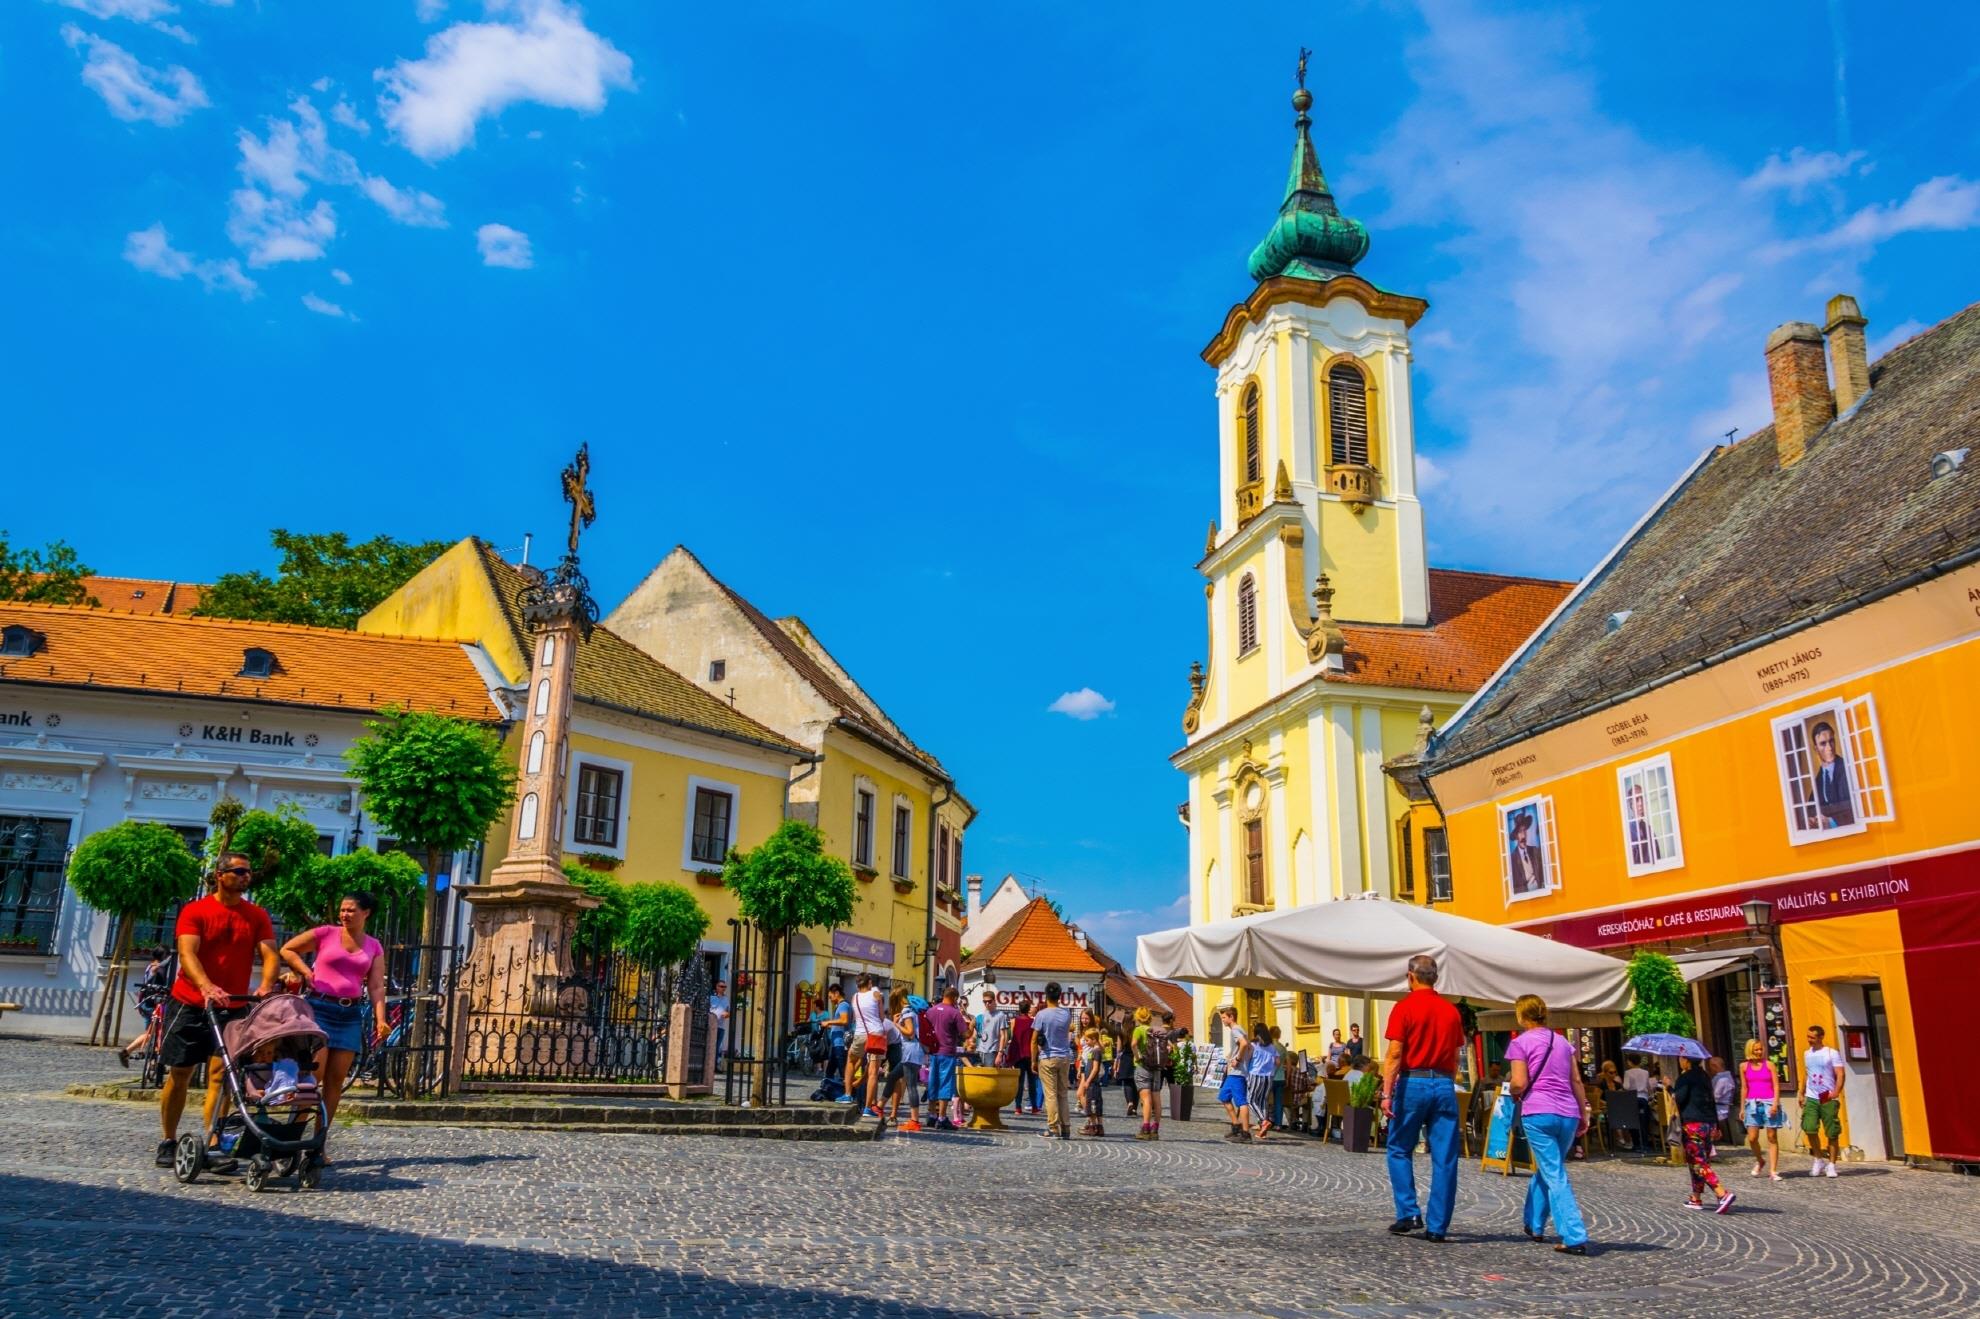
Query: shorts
column 188, row 1039
column 342, row 1026
column 1259, row 1088
column 942, row 1077
column 1761, row 1113
column 1827, row 1114
column 1147, row 1080
column 1233, row 1091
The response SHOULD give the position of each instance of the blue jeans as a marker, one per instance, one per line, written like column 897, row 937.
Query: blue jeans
column 1424, row 1105
column 1278, row 1102
column 1550, row 1137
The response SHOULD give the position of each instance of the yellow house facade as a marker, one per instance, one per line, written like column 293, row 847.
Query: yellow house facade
column 884, row 804
column 1746, row 742
column 1329, row 636
column 663, row 779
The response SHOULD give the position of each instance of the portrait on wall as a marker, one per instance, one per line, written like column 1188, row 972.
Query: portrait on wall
column 1649, row 810
column 1529, row 859
column 1832, row 769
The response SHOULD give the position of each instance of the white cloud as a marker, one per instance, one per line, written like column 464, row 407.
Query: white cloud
column 1117, row 930
column 429, row 10
column 341, row 277
column 324, row 307
column 1429, row 473
column 1800, row 170
column 406, row 205
column 270, row 219
column 1083, row 704
column 151, row 13
column 1883, row 343
column 151, row 250
column 1619, row 276
column 345, row 113
column 132, row 90
column 474, row 70
column 505, row 247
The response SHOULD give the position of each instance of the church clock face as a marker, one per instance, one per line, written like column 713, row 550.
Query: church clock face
column 1254, row 797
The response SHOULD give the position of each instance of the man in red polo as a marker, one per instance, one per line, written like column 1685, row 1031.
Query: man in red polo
column 1419, row 1093
column 218, row 937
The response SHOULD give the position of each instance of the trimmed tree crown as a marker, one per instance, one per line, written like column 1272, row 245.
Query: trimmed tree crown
column 434, row 782
column 790, row 882
column 134, row 870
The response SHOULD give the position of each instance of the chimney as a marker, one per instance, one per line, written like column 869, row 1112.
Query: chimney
column 973, row 885
column 1849, row 358
column 1799, row 382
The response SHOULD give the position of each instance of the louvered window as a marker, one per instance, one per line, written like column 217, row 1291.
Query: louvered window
column 1247, row 615
column 1253, row 458
column 1347, row 412
column 1254, row 862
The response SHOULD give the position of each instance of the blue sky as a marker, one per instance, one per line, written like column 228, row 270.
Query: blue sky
column 892, row 312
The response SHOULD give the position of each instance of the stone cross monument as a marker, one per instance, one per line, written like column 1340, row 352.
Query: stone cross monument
column 525, row 914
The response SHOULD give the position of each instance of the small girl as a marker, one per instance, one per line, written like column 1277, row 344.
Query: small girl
column 1092, row 1081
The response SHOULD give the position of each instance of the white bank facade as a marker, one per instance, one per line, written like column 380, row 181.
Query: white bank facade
column 72, row 763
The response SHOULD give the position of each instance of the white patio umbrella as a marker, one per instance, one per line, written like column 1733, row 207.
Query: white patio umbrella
column 1360, row 947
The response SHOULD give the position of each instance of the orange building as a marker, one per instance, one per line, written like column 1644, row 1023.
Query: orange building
column 1747, row 739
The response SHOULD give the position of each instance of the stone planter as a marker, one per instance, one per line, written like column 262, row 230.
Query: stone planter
column 1182, row 1098
column 1357, row 1129
column 985, row 1090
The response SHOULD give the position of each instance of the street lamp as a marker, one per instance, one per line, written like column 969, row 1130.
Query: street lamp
column 1759, row 914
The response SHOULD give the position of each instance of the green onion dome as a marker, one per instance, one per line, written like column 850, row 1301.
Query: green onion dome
column 1311, row 239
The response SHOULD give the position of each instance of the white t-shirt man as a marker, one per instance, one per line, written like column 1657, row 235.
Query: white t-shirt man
column 1824, row 1069
column 1637, row 1079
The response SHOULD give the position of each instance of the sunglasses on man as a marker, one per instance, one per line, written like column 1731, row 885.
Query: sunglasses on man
column 236, row 870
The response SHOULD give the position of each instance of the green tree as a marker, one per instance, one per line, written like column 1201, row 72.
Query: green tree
column 308, row 895
column 664, row 923
column 602, row 927
column 435, row 783
column 133, row 871
column 279, row 844
column 790, row 881
column 323, row 580
column 1660, row 996
column 50, row 576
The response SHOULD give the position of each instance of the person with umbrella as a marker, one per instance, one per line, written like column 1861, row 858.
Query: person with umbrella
column 1698, row 1112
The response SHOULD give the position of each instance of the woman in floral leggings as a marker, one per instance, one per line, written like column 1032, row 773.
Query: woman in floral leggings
column 1699, row 1113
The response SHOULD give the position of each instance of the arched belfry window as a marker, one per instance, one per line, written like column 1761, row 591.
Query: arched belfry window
column 1247, row 602
column 1347, row 415
column 1254, row 453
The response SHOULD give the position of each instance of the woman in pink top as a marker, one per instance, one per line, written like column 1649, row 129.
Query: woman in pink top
column 1760, row 1108
column 348, row 970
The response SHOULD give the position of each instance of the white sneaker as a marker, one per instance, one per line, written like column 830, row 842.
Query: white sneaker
column 1829, row 1168
column 1815, row 1168
column 1759, row 1169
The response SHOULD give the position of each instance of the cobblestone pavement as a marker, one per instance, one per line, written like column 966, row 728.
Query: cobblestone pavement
column 442, row 1221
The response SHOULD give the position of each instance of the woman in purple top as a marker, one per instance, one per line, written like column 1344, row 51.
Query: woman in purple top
column 346, row 974
column 1553, row 1112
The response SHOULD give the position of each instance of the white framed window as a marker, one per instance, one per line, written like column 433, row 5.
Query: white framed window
column 1247, row 611
column 1529, row 849
column 1833, row 777
column 712, row 811
column 597, row 803
column 1651, row 838
column 864, row 799
column 1437, row 864
column 903, row 836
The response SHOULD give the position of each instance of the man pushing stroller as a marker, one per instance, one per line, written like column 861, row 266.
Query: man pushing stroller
column 218, row 937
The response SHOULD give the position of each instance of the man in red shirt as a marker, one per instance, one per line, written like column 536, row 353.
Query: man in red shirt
column 1419, row 1093
column 218, row 937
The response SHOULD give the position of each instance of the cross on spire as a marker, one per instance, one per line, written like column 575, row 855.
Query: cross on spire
column 584, row 511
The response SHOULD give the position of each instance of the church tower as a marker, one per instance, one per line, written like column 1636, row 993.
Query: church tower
column 1330, row 641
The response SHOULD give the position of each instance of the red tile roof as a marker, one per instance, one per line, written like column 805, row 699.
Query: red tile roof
column 1033, row 939
column 143, row 595
column 1477, row 620
column 172, row 655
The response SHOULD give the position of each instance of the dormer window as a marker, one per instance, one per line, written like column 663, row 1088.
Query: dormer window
column 18, row 641
column 258, row 663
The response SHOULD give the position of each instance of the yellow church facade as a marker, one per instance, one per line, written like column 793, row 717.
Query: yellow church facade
column 1329, row 638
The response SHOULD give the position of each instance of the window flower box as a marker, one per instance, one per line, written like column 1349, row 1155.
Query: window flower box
column 710, row 878
column 867, row 874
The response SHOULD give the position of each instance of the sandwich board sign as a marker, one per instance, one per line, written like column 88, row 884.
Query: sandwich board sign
column 1504, row 1145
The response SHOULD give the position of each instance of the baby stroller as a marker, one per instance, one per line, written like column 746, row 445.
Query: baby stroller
column 278, row 1122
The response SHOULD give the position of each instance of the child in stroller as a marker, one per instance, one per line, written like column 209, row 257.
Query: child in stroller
column 265, row 1060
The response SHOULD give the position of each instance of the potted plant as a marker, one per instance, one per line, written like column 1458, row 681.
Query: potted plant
column 903, row 886
column 708, row 878
column 1182, row 1080
column 603, row 862
column 867, row 874
column 1358, row 1121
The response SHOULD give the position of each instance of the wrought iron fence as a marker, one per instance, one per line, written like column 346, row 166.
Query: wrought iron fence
column 414, row 1058
column 757, row 1056
column 551, row 1016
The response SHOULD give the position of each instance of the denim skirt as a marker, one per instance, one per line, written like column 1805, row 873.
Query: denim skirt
column 342, row 1026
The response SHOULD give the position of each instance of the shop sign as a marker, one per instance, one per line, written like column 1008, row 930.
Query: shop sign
column 1872, row 888
column 1070, row 996
column 861, row 948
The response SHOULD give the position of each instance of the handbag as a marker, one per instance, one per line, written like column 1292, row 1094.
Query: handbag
column 876, row 1035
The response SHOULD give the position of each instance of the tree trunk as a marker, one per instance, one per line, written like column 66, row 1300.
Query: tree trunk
column 108, row 1028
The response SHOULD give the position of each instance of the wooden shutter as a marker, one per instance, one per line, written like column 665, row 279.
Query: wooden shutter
column 1347, row 415
column 1247, row 614
column 1253, row 455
